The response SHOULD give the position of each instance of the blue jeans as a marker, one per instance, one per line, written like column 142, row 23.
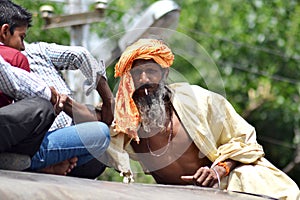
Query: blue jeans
column 84, row 141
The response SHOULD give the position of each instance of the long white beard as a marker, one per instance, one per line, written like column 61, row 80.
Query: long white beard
column 152, row 109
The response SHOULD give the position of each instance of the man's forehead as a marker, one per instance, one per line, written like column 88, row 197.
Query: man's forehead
column 144, row 62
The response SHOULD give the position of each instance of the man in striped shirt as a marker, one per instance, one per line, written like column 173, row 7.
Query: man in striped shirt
column 63, row 147
column 23, row 124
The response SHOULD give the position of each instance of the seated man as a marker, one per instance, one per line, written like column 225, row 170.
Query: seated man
column 184, row 134
column 47, row 60
column 61, row 150
column 14, row 22
column 33, row 116
column 13, row 27
column 65, row 147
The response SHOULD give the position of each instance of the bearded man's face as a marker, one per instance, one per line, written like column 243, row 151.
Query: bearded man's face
column 149, row 94
column 152, row 109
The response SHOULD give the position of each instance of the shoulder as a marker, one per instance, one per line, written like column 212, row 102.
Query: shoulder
column 38, row 46
column 14, row 57
column 186, row 89
column 7, row 51
column 21, row 61
column 68, row 51
column 194, row 95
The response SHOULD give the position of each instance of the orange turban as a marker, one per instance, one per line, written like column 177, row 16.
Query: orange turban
column 127, row 117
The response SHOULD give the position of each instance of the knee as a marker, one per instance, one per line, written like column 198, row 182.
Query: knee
column 101, row 138
column 106, row 133
column 100, row 133
column 105, row 129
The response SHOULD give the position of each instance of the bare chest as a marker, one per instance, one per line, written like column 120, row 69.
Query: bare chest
column 168, row 159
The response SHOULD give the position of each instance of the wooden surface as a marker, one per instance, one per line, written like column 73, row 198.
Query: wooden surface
column 23, row 185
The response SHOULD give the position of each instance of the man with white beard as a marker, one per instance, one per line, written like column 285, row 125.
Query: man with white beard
column 184, row 134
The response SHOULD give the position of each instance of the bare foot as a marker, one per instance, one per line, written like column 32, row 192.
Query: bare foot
column 73, row 163
column 61, row 168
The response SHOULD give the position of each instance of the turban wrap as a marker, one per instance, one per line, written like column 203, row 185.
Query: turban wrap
column 127, row 117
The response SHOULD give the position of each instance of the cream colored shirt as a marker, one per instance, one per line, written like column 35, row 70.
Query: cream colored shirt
column 220, row 133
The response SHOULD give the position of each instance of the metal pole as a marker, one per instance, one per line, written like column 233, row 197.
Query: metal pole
column 79, row 36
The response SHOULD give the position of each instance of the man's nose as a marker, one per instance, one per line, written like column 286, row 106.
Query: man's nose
column 144, row 78
column 22, row 48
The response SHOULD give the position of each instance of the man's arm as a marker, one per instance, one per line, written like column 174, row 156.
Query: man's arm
column 75, row 58
column 72, row 58
column 107, row 101
column 20, row 84
column 211, row 177
column 78, row 112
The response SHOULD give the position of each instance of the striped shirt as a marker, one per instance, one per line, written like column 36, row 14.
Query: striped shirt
column 48, row 59
column 20, row 84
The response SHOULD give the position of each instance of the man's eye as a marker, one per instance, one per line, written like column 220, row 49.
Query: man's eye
column 135, row 73
column 150, row 71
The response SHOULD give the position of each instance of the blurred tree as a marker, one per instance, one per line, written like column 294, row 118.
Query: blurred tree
column 36, row 32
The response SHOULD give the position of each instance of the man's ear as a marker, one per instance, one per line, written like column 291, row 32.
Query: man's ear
column 166, row 73
column 4, row 31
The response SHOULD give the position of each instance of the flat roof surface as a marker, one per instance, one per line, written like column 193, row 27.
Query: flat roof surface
column 24, row 185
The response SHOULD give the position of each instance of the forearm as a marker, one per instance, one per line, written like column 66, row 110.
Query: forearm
column 78, row 112
column 104, row 90
column 107, row 100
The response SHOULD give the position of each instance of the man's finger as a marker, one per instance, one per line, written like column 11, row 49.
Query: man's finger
column 188, row 179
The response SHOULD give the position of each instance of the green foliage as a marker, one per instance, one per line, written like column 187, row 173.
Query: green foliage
column 36, row 32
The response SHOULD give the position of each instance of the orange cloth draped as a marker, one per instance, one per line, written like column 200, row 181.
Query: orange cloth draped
column 127, row 117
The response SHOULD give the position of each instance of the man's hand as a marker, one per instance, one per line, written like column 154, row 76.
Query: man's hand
column 107, row 115
column 57, row 100
column 205, row 177
column 54, row 96
column 208, row 177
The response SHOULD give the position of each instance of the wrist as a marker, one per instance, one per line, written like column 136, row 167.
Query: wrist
column 98, row 113
column 225, row 166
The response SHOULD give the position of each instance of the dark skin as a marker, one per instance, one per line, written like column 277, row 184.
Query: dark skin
column 81, row 113
column 55, row 100
column 181, row 163
column 107, row 106
column 78, row 112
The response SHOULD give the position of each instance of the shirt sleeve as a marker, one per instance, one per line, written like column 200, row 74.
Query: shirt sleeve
column 20, row 84
column 77, row 57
